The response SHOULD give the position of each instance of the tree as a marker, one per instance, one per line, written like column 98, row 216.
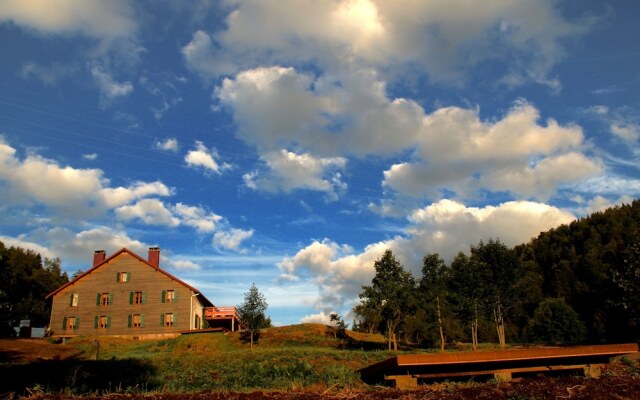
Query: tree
column 337, row 324
column 501, row 267
column 432, row 289
column 466, row 291
column 252, row 310
column 555, row 322
column 25, row 280
column 391, row 292
column 627, row 278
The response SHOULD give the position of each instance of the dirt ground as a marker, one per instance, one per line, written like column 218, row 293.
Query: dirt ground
column 619, row 381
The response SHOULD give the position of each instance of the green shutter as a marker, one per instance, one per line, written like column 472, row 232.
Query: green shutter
column 161, row 319
column 95, row 323
column 98, row 299
column 144, row 297
column 164, row 295
column 117, row 276
column 130, row 318
column 141, row 321
column 128, row 276
column 71, row 300
column 64, row 323
column 108, row 321
column 130, row 297
column 76, row 325
column 175, row 296
column 110, row 298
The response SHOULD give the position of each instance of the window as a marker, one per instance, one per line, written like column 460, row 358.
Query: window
column 137, row 297
column 104, row 299
column 123, row 277
column 136, row 321
column 70, row 323
column 102, row 321
column 73, row 300
column 169, row 296
column 168, row 319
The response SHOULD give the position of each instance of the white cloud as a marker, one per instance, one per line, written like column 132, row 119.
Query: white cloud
column 109, row 88
column 319, row 318
column 289, row 171
column 205, row 158
column 347, row 113
column 149, row 211
column 629, row 132
column 90, row 156
column 105, row 20
column 197, row 217
column 25, row 244
column 445, row 227
column 77, row 248
column 231, row 239
column 459, row 152
column 79, row 192
column 184, row 265
column 168, row 144
column 445, row 38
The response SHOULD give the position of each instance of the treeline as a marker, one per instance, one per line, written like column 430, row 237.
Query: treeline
column 25, row 280
column 578, row 283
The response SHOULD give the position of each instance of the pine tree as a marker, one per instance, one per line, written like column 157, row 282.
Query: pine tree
column 252, row 310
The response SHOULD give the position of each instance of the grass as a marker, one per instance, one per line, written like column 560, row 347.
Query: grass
column 292, row 357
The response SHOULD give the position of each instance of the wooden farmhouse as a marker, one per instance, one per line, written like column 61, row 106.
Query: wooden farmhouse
column 126, row 295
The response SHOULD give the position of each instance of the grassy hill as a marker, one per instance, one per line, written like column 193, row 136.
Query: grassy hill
column 290, row 357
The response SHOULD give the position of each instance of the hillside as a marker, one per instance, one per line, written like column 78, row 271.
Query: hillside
column 585, row 263
column 293, row 362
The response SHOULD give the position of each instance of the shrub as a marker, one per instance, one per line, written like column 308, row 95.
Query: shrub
column 555, row 322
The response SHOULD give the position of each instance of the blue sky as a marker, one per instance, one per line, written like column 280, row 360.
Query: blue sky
column 289, row 143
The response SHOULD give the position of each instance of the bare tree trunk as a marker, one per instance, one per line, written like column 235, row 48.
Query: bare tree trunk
column 440, row 324
column 499, row 318
column 474, row 329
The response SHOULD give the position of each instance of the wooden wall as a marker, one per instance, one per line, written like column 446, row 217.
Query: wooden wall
column 143, row 278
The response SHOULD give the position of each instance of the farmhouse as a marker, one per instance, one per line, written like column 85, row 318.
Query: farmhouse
column 126, row 295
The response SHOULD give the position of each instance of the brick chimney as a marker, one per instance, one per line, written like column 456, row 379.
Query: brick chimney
column 154, row 256
column 98, row 257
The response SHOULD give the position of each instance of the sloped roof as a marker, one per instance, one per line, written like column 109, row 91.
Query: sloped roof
column 116, row 254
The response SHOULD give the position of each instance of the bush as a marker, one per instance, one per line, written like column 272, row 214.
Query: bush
column 555, row 322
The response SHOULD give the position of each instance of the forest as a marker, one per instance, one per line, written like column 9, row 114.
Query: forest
column 25, row 279
column 575, row 284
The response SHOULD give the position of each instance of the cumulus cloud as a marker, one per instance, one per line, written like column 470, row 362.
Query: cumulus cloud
column 94, row 18
column 26, row 244
column 445, row 227
column 168, row 144
column 79, row 192
column 459, row 152
column 205, row 158
column 231, row 239
column 348, row 113
column 149, row 211
column 454, row 149
column 197, row 217
column 288, row 171
column 446, row 39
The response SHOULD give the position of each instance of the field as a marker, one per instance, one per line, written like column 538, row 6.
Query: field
column 295, row 362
